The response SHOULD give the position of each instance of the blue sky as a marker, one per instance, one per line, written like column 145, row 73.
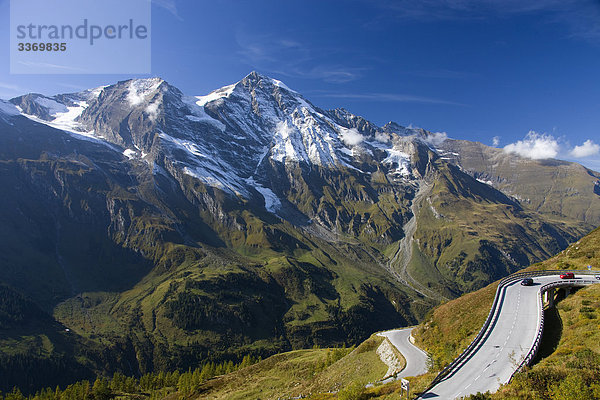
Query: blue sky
column 522, row 75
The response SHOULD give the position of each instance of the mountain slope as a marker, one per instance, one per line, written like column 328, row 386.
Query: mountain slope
column 552, row 187
column 187, row 228
column 569, row 348
column 99, row 224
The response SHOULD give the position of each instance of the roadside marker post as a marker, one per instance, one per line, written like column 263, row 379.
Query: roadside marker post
column 405, row 385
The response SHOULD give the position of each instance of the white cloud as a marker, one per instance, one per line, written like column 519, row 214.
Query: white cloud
column 535, row 146
column 351, row 137
column 587, row 149
column 437, row 138
column 10, row 86
column 53, row 67
column 391, row 97
column 382, row 137
column 134, row 98
column 139, row 90
column 496, row 141
column 152, row 110
column 579, row 17
column 168, row 5
column 283, row 129
column 290, row 58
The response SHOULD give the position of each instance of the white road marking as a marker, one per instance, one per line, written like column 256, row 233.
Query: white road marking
column 491, row 378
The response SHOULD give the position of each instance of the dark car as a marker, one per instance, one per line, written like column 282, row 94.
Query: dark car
column 527, row 282
column 567, row 275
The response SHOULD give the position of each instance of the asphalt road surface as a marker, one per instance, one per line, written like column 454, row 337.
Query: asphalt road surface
column 512, row 335
column 416, row 359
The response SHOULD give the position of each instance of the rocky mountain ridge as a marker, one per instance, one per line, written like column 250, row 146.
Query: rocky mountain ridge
column 176, row 228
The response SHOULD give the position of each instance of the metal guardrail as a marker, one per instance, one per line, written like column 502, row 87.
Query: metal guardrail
column 538, row 337
column 457, row 363
column 536, row 344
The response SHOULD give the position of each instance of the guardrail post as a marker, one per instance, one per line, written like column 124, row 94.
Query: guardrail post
column 457, row 363
column 550, row 297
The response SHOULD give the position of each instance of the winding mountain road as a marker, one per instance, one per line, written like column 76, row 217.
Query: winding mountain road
column 416, row 359
column 507, row 341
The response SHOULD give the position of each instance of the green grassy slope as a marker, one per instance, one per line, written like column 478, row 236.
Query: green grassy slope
column 572, row 369
column 205, row 306
column 449, row 328
column 302, row 372
column 160, row 272
column 314, row 373
column 37, row 351
column 469, row 235
column 165, row 273
column 551, row 187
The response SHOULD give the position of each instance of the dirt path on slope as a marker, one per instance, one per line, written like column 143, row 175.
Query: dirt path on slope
column 398, row 264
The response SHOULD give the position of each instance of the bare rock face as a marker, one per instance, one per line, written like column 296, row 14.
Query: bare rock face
column 249, row 218
column 550, row 187
column 387, row 353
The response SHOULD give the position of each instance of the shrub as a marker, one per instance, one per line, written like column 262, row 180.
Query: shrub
column 571, row 388
column 355, row 391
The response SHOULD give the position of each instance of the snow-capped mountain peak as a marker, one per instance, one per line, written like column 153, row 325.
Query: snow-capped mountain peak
column 141, row 90
column 215, row 95
column 230, row 137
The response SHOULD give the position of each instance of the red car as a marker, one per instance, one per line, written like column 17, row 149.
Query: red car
column 567, row 275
